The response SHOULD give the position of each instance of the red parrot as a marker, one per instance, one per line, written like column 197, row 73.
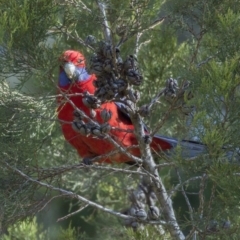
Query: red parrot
column 73, row 78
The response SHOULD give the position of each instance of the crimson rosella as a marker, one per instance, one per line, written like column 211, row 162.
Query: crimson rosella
column 73, row 79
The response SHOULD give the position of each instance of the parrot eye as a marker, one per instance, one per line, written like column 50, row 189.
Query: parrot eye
column 80, row 60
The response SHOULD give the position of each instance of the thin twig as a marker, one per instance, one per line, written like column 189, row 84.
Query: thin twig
column 60, row 95
column 77, row 39
column 62, row 169
column 201, row 196
column 204, row 62
column 196, row 50
column 139, row 34
column 68, row 193
column 156, row 98
column 164, row 118
column 73, row 213
column 183, row 183
column 185, row 196
column 76, row 4
column 190, row 209
column 192, row 233
column 165, row 165
column 50, row 200
column 209, row 207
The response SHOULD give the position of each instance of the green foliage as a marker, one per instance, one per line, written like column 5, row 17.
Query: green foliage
column 24, row 230
column 31, row 230
column 25, row 27
column 199, row 42
column 22, row 18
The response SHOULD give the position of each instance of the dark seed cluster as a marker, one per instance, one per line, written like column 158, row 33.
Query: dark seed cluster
column 174, row 94
column 143, row 206
column 115, row 77
column 87, row 128
column 115, row 81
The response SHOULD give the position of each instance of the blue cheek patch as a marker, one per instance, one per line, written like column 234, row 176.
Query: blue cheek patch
column 81, row 73
column 63, row 79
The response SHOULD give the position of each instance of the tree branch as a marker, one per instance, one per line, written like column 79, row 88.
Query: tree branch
column 150, row 166
column 62, row 169
column 106, row 28
column 68, row 193
column 82, row 199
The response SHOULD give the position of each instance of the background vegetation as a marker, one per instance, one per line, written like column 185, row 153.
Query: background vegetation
column 198, row 41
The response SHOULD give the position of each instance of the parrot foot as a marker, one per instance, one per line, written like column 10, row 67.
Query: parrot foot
column 87, row 161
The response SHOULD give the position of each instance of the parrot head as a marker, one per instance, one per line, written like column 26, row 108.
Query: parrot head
column 72, row 68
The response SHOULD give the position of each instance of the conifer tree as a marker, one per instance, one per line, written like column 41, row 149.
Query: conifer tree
column 177, row 42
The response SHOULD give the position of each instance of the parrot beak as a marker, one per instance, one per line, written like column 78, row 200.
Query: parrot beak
column 69, row 69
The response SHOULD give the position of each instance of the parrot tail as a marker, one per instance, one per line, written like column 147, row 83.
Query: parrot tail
column 188, row 149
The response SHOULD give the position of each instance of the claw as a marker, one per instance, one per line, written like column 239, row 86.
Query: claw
column 87, row 161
